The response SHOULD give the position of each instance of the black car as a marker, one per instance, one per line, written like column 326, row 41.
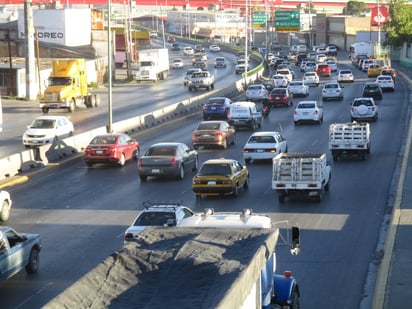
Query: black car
column 175, row 47
column 216, row 108
column 372, row 90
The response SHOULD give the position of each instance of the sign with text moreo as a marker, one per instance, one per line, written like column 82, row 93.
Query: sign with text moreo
column 288, row 21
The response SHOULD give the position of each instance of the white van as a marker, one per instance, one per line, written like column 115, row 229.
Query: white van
column 244, row 114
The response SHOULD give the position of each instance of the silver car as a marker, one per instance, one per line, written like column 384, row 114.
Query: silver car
column 332, row 91
column 256, row 93
column 298, row 88
column 167, row 159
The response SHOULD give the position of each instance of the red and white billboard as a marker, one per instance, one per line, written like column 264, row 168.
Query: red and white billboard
column 379, row 15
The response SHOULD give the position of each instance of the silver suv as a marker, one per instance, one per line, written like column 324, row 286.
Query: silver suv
column 364, row 109
column 157, row 214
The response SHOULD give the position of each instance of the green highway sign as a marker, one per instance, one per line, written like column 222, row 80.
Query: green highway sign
column 287, row 21
column 259, row 20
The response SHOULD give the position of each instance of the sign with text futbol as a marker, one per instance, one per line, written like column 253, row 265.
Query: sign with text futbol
column 287, row 21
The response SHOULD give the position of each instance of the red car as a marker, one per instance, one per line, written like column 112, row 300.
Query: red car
column 323, row 70
column 280, row 97
column 111, row 148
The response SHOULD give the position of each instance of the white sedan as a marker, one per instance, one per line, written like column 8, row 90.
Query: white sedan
column 214, row 48
column 345, row 76
column 298, row 88
column 264, row 146
column 177, row 64
column 44, row 129
column 333, row 65
column 279, row 81
column 308, row 111
column 386, row 82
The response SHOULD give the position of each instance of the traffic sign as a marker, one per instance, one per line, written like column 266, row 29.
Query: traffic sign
column 287, row 21
column 259, row 20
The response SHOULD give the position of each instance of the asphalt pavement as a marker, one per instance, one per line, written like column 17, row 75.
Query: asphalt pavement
column 393, row 261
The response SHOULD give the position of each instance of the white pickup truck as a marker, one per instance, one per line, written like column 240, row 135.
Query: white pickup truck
column 202, row 79
column 349, row 139
column 305, row 175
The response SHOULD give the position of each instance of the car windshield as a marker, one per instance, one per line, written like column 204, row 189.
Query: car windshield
column 208, row 126
column 155, row 219
column 43, row 124
column 161, row 151
column 262, row 139
column 103, row 140
column 215, row 169
column 306, row 105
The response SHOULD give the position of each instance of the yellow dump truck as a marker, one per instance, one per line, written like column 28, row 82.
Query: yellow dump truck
column 67, row 87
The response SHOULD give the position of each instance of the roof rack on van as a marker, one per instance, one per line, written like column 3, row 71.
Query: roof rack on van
column 151, row 204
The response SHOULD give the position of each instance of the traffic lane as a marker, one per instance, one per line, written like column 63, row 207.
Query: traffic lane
column 326, row 227
column 128, row 100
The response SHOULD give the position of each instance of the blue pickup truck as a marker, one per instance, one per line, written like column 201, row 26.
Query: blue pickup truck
column 18, row 251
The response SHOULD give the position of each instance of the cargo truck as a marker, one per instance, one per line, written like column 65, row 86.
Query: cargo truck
column 209, row 260
column 349, row 139
column 153, row 65
column 305, row 175
column 67, row 87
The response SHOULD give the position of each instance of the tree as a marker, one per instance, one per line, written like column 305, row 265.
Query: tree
column 355, row 8
column 399, row 27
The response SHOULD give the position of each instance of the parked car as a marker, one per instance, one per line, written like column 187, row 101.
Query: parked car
column 280, row 97
column 298, row 88
column 311, row 78
column 220, row 177
column 171, row 159
column 214, row 48
column 345, row 76
column 111, row 148
column 364, row 109
column 264, row 146
column 5, row 205
column 386, row 82
column 374, row 70
column 332, row 91
column 177, row 64
column 188, row 51
column 216, row 108
column 156, row 214
column 44, row 129
column 308, row 111
column 372, row 90
column 213, row 133
column 323, row 70
column 256, row 93
column 220, row 62
column 280, row 81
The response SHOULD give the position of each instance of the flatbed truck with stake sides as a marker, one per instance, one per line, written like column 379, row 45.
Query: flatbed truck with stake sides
column 349, row 139
column 304, row 175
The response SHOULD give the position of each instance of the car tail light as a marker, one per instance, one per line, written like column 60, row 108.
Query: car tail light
column 173, row 162
column 218, row 134
column 312, row 185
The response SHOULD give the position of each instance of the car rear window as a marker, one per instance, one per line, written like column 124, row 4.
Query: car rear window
column 101, row 140
column 255, row 87
column 306, row 105
column 215, row 101
column 278, row 91
column 215, row 169
column 161, row 151
column 208, row 126
column 262, row 139
column 331, row 86
column 362, row 102
column 155, row 219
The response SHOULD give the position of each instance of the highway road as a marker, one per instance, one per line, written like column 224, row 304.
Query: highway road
column 81, row 213
column 128, row 100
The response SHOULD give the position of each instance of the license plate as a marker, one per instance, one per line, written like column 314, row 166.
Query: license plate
column 211, row 183
column 99, row 151
column 259, row 150
column 305, row 113
column 155, row 171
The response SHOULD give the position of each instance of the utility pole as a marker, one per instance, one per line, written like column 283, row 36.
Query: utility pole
column 31, row 87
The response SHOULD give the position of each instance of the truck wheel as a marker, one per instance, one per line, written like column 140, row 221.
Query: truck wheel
column 88, row 101
column 72, row 106
column 45, row 110
column 96, row 100
column 5, row 211
column 295, row 303
column 33, row 266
